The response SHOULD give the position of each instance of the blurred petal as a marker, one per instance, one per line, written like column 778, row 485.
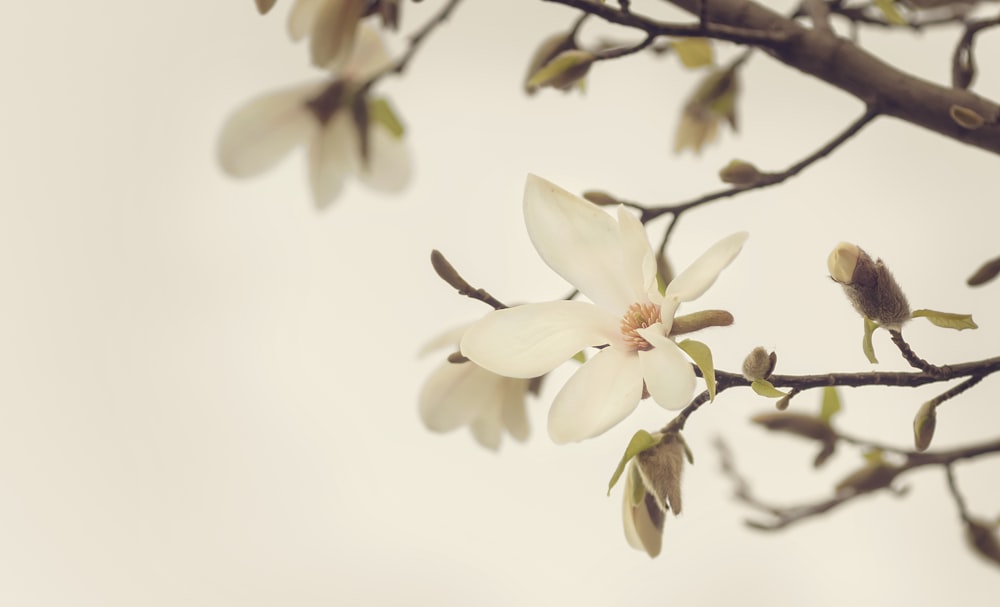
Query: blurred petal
column 638, row 261
column 449, row 338
column 599, row 395
column 302, row 17
column 666, row 370
column 368, row 56
column 333, row 32
column 579, row 241
column 487, row 428
column 260, row 133
column 701, row 274
column 332, row 155
column 388, row 168
column 455, row 394
column 531, row 340
column 514, row 412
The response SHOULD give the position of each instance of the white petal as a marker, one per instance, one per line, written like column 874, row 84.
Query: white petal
column 666, row 370
column 599, row 395
column 488, row 427
column 701, row 274
column 579, row 241
column 260, row 133
column 302, row 17
column 449, row 338
column 369, row 55
column 531, row 340
column 388, row 168
column 332, row 156
column 514, row 413
column 638, row 261
column 456, row 394
column 333, row 32
column 628, row 510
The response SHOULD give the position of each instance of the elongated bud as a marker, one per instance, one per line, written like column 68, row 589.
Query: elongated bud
column 740, row 173
column 869, row 285
column 546, row 52
column 565, row 70
column 601, row 199
column 701, row 320
column 869, row 478
column 987, row 272
column 806, row 426
column 759, row 364
column 264, row 5
column 982, row 538
column 923, row 425
column 660, row 468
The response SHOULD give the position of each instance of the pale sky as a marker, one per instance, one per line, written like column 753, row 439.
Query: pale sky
column 209, row 395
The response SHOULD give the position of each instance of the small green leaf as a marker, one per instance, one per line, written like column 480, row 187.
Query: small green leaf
column 866, row 343
column 892, row 14
column 641, row 441
column 702, row 356
column 947, row 319
column 381, row 112
column 580, row 357
column 566, row 69
column 693, row 52
column 831, row 403
column 766, row 388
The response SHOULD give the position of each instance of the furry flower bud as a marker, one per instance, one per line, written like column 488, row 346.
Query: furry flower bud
column 869, row 285
column 759, row 364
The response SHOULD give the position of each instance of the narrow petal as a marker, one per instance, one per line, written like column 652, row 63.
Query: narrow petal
column 332, row 156
column 603, row 392
column 701, row 274
column 531, row 340
column 579, row 241
column 449, row 338
column 638, row 261
column 514, row 412
column 455, row 394
column 487, row 428
column 643, row 522
column 666, row 370
column 368, row 56
column 333, row 32
column 301, row 18
column 389, row 162
column 262, row 132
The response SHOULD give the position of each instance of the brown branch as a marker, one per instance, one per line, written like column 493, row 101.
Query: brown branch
column 911, row 356
column 450, row 275
column 415, row 41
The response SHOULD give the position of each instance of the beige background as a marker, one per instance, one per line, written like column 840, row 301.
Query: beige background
column 208, row 388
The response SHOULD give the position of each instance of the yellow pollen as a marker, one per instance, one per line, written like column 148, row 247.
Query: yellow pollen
column 639, row 316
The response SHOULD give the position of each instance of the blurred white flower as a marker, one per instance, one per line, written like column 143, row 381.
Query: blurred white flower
column 465, row 394
column 346, row 133
column 612, row 264
column 331, row 26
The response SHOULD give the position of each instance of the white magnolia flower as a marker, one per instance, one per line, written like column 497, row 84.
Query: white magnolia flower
column 611, row 263
column 331, row 26
column 465, row 394
column 321, row 115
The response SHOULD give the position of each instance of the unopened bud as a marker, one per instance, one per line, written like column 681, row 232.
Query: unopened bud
column 601, row 199
column 660, row 468
column 982, row 538
column 869, row 478
column 565, row 70
column 759, row 364
column 740, row 173
column 869, row 285
column 264, row 5
column 806, row 426
column 546, row 52
column 923, row 425
column 700, row 320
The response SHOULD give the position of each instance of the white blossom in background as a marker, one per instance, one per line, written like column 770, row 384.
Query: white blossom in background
column 325, row 117
column 331, row 26
column 611, row 262
column 465, row 394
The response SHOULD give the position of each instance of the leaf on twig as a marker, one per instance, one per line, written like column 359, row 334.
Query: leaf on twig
column 702, row 356
column 947, row 319
column 866, row 342
column 766, row 388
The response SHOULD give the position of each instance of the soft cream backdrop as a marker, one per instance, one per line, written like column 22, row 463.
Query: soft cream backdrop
column 208, row 388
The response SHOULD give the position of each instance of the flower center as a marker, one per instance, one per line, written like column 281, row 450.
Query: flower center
column 639, row 316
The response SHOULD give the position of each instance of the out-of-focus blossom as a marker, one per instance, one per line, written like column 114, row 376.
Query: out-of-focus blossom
column 611, row 262
column 346, row 132
column 332, row 25
column 465, row 394
column 712, row 102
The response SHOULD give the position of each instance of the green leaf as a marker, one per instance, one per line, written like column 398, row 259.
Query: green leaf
column 702, row 356
column 381, row 112
column 638, row 487
column 866, row 343
column 947, row 319
column 693, row 52
column 641, row 441
column 831, row 403
column 566, row 69
column 766, row 388
column 580, row 357
column 892, row 14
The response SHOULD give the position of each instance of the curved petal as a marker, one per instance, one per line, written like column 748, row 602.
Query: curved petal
column 701, row 274
column 333, row 32
column 456, row 394
column 643, row 521
column 260, row 133
column 487, row 428
column 301, row 18
column 368, row 56
column 579, row 241
column 449, row 338
column 666, row 370
column 389, row 162
column 599, row 395
column 514, row 412
column 531, row 340
column 638, row 261
column 332, row 156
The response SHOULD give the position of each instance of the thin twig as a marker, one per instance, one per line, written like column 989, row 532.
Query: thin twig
column 415, row 41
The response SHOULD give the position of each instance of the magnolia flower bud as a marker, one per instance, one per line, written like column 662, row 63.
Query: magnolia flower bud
column 869, row 285
column 546, row 52
column 759, row 364
column 923, row 425
column 806, row 426
column 869, row 478
column 601, row 199
column 565, row 70
column 264, row 5
column 660, row 467
column 700, row 320
column 740, row 173
column 983, row 539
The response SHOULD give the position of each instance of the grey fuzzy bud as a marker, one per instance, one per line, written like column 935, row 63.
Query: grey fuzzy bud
column 869, row 285
column 759, row 364
column 660, row 468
